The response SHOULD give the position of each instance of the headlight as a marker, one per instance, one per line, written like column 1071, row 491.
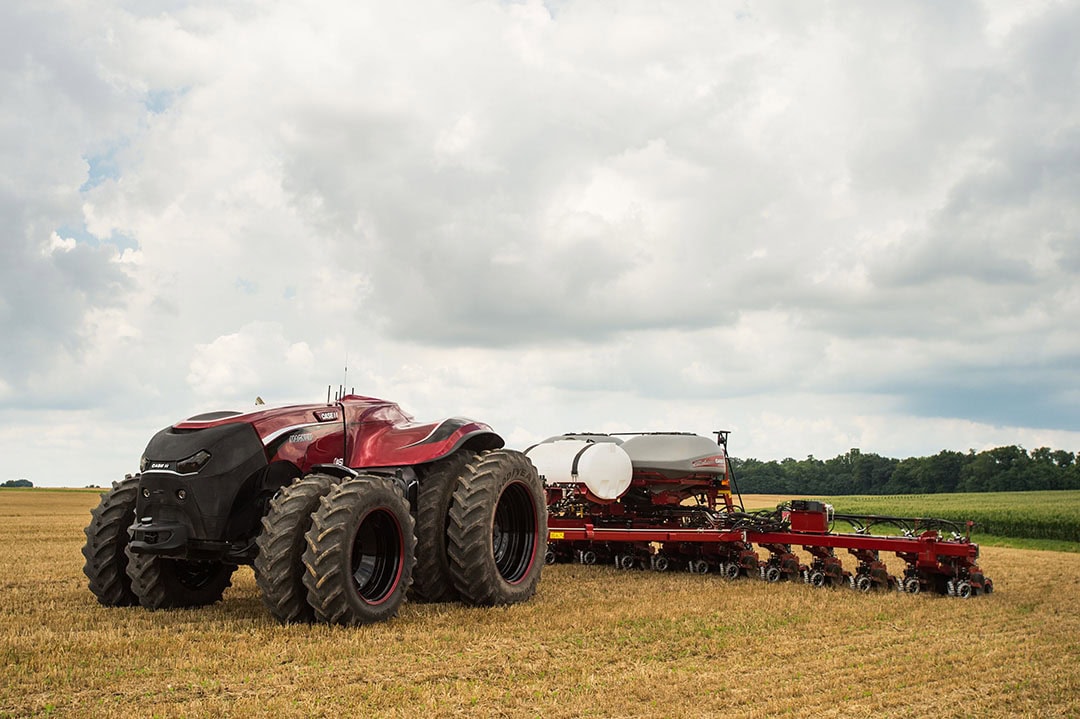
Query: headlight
column 143, row 462
column 194, row 463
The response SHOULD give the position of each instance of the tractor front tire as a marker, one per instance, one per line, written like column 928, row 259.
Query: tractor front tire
column 106, row 539
column 167, row 583
column 431, row 577
column 279, row 565
column 498, row 529
column 360, row 552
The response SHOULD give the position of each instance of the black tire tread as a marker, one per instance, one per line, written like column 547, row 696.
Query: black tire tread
column 431, row 576
column 327, row 549
column 106, row 539
column 472, row 565
column 154, row 582
column 279, row 566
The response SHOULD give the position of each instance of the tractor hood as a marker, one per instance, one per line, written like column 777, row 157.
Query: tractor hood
column 358, row 432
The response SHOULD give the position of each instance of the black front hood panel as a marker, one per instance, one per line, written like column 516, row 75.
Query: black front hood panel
column 201, row 502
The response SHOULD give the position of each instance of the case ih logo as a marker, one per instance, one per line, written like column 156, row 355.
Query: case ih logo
column 714, row 461
column 325, row 416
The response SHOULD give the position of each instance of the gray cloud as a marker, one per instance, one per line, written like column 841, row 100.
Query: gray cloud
column 828, row 226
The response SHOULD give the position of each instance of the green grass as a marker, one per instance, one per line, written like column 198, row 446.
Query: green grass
column 1045, row 545
column 1045, row 516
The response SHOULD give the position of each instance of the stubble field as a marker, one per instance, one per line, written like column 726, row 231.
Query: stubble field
column 593, row 642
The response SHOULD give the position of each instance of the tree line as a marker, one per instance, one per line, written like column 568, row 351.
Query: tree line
column 1002, row 469
column 17, row 483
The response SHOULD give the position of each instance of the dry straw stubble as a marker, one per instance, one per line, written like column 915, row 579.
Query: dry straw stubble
column 593, row 642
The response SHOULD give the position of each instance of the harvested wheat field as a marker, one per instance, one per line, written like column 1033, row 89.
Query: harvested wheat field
column 594, row 642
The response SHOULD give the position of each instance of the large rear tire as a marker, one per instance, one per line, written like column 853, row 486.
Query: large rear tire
column 360, row 552
column 431, row 577
column 498, row 529
column 106, row 538
column 167, row 583
column 279, row 565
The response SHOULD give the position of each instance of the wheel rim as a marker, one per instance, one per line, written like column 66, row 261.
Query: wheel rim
column 195, row 575
column 376, row 556
column 513, row 533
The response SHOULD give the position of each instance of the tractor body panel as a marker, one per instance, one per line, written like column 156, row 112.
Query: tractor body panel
column 207, row 481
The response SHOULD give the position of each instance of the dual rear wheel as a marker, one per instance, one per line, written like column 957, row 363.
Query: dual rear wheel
column 347, row 553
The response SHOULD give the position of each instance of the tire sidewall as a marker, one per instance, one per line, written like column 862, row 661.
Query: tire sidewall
column 390, row 599
column 506, row 592
column 362, row 501
column 531, row 575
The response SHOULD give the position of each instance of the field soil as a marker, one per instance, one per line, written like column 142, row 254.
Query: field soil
column 594, row 642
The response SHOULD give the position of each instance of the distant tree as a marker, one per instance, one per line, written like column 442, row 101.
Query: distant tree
column 17, row 483
column 930, row 475
column 1009, row 468
column 756, row 477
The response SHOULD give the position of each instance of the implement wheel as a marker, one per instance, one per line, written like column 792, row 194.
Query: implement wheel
column 360, row 552
column 279, row 566
column 498, row 529
column 106, row 540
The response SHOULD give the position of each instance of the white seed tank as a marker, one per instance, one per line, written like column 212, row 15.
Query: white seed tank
column 602, row 467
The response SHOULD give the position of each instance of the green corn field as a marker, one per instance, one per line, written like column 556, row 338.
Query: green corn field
column 1029, row 515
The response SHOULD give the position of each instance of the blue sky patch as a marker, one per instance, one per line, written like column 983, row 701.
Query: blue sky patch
column 159, row 101
column 102, row 167
column 82, row 236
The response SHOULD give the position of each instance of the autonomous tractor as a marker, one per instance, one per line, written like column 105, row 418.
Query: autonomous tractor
column 342, row 508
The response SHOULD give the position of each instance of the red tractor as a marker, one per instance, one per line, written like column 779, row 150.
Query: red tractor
column 341, row 507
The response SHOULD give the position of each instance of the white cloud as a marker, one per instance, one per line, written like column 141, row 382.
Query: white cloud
column 820, row 229
column 256, row 360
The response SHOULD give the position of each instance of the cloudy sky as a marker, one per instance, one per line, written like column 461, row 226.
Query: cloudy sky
column 819, row 225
